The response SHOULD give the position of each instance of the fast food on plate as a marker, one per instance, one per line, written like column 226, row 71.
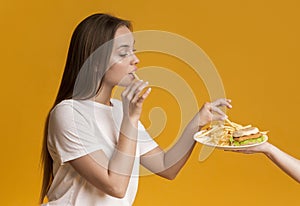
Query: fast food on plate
column 230, row 135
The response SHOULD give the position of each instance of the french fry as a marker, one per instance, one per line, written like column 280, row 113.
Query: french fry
column 136, row 76
column 229, row 122
column 207, row 132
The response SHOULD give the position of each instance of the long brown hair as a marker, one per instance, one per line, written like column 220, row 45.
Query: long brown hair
column 87, row 60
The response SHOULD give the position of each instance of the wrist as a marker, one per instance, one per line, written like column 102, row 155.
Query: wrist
column 129, row 127
column 131, row 119
column 198, row 121
column 134, row 118
column 268, row 149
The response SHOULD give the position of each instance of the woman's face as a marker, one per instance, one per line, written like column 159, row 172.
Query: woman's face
column 123, row 60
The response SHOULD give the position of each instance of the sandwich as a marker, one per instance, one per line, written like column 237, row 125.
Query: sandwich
column 246, row 136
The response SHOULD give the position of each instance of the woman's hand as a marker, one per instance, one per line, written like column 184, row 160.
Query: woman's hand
column 262, row 148
column 133, row 99
column 211, row 112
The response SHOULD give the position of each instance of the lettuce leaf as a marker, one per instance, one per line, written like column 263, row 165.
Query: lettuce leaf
column 246, row 142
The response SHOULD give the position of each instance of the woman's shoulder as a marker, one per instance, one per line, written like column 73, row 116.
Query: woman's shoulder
column 62, row 109
column 73, row 104
column 71, row 107
column 63, row 105
column 70, row 110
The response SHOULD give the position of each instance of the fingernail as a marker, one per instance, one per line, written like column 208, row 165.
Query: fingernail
column 146, row 82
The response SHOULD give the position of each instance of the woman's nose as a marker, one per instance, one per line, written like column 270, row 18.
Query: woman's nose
column 135, row 59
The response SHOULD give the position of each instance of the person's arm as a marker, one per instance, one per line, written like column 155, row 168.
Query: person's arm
column 284, row 161
column 112, row 175
column 168, row 164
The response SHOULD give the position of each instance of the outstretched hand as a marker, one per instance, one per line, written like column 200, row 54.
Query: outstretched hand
column 262, row 148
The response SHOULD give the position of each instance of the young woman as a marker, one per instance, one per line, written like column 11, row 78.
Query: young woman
column 93, row 144
column 284, row 161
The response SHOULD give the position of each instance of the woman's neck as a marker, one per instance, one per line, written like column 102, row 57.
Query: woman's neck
column 104, row 95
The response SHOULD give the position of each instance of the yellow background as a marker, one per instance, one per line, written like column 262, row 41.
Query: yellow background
column 254, row 45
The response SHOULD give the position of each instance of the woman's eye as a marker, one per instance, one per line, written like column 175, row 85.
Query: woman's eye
column 127, row 53
column 123, row 54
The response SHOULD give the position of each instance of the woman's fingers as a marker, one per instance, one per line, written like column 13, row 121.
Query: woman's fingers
column 214, row 107
column 217, row 110
column 127, row 89
column 129, row 92
column 221, row 102
column 137, row 92
column 136, row 89
column 220, row 115
column 214, row 111
column 133, row 92
column 144, row 95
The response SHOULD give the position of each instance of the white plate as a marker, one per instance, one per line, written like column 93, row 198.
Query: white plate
column 203, row 138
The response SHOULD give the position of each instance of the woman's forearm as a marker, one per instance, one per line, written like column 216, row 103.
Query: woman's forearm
column 124, row 154
column 121, row 164
column 168, row 164
column 176, row 157
column 286, row 162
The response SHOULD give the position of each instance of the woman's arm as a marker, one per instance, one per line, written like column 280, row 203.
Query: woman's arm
column 284, row 161
column 112, row 175
column 168, row 164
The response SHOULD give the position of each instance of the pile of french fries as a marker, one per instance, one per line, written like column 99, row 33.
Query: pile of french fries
column 220, row 133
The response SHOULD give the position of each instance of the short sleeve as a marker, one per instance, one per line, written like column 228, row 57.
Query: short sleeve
column 70, row 136
column 146, row 143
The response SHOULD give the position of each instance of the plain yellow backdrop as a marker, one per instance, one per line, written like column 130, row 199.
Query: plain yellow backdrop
column 253, row 44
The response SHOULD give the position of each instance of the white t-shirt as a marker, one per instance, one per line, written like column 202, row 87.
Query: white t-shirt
column 80, row 127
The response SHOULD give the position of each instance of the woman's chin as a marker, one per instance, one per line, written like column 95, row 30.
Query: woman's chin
column 125, row 82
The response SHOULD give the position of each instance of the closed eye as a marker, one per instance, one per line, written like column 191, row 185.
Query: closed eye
column 127, row 53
